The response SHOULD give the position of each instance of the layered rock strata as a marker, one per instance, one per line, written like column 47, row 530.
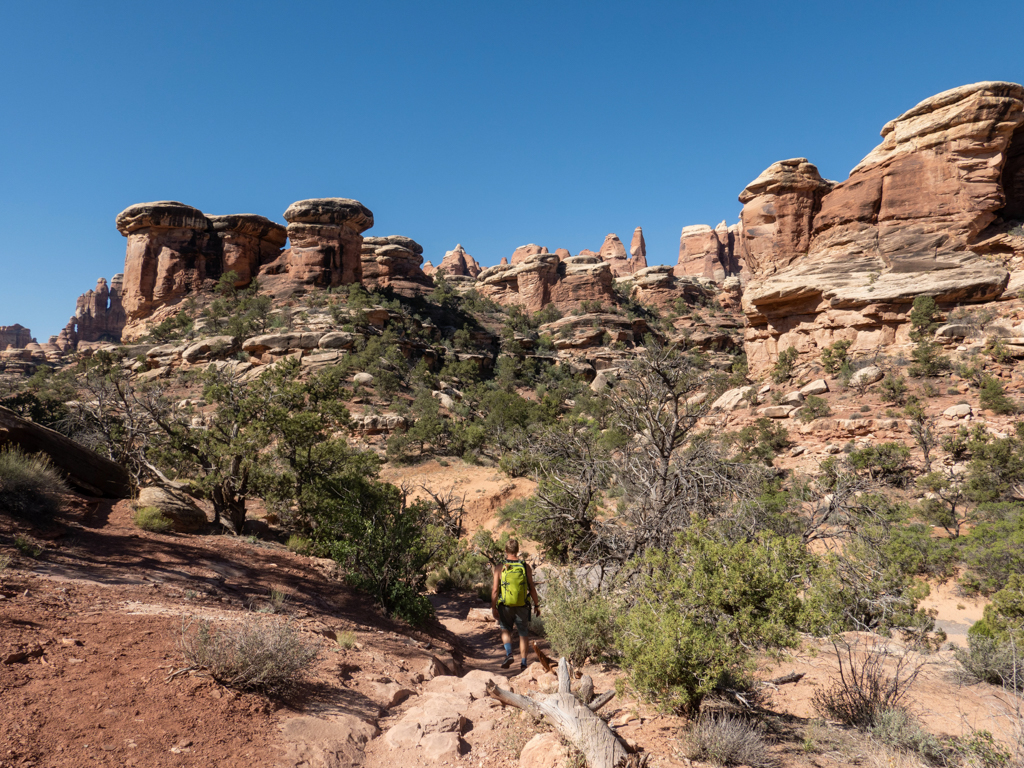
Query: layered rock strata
column 326, row 244
column 542, row 278
column 845, row 261
column 16, row 336
column 708, row 253
column 658, row 286
column 99, row 315
column 393, row 263
column 456, row 263
column 174, row 248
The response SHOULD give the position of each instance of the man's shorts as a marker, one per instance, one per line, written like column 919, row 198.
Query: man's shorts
column 518, row 615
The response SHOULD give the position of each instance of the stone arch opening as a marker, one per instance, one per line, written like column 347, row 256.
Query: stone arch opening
column 1013, row 177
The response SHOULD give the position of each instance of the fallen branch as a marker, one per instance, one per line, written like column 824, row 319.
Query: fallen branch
column 792, row 677
column 601, row 700
column 576, row 722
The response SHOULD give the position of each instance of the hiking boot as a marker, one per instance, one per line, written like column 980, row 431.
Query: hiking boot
column 522, row 664
column 508, row 661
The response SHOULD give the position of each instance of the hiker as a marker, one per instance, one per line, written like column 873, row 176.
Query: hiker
column 508, row 601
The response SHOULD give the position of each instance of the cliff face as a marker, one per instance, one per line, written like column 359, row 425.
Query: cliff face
column 99, row 316
column 844, row 261
column 16, row 336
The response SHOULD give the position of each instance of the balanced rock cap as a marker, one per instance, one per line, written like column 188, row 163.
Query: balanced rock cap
column 796, row 174
column 167, row 214
column 406, row 242
column 250, row 224
column 339, row 211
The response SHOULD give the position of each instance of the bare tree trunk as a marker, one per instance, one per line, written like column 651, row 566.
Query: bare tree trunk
column 589, row 733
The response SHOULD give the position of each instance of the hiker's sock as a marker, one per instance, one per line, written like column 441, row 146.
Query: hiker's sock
column 522, row 664
column 508, row 649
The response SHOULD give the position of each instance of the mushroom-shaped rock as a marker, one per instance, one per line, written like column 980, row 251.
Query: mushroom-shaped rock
column 394, row 262
column 326, row 244
column 163, row 214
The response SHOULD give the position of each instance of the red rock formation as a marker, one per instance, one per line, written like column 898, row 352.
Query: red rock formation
column 658, row 286
column 779, row 206
column 562, row 254
column 542, row 279
column 847, row 262
column 326, row 245
column 706, row 252
column 174, row 248
column 614, row 253
column 16, row 336
column 523, row 252
column 245, row 242
column 393, row 263
column 99, row 315
column 638, row 250
column 459, row 263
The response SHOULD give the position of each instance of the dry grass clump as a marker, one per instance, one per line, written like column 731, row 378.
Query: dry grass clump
column 727, row 740
column 264, row 656
column 30, row 488
column 152, row 519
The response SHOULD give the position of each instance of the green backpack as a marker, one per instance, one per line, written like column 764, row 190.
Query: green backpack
column 513, row 583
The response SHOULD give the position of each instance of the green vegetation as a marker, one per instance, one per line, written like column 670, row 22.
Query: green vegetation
column 152, row 519
column 814, row 407
column 30, row 488
column 783, row 368
column 833, row 357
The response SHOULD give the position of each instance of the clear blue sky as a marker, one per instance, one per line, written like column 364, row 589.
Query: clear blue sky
column 490, row 124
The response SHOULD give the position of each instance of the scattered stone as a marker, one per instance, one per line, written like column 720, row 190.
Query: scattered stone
column 816, row 387
column 960, row 411
column 363, row 379
column 865, row 376
column 176, row 505
column 545, row 750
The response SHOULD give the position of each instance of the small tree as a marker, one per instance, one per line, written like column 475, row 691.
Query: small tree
column 783, row 368
column 994, row 398
column 834, row 355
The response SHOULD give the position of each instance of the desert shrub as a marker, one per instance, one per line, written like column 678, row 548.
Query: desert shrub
column 727, row 740
column 898, row 729
column 761, row 441
column 814, row 407
column 703, row 609
column 997, row 350
column 300, row 545
column 989, row 660
column 459, row 569
column 996, row 643
column 783, row 367
column 956, row 443
column 978, row 749
column 152, row 519
column 928, row 359
column 865, row 690
column 923, row 316
column 834, row 355
column 579, row 620
column 992, row 551
column 5, row 563
column 265, row 656
column 886, row 462
column 30, row 487
column 893, row 389
column 994, row 398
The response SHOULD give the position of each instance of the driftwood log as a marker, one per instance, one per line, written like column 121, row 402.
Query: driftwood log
column 575, row 721
column 85, row 469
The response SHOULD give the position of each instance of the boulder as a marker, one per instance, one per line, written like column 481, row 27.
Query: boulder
column 206, row 349
column 545, row 750
column 317, row 742
column 846, row 261
column 84, row 468
column 176, row 505
column 959, row 411
column 793, row 398
column 777, row 411
column 954, row 331
column 363, row 379
column 867, row 375
column 732, row 399
column 281, row 343
column 816, row 387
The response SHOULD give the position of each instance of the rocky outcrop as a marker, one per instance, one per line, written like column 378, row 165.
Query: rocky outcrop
column 658, row 286
column 708, row 253
column 16, row 336
column 614, row 253
column 326, row 245
column 393, row 263
column 523, row 252
column 542, row 278
column 458, row 263
column 99, row 316
column 845, row 261
column 173, row 249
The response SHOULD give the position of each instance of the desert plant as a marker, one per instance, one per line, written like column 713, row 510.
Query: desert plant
column 898, row 729
column 834, row 355
column 814, row 408
column 266, row 656
column 783, row 367
column 893, row 389
column 152, row 519
column 579, row 619
column 300, row 545
column 994, row 398
column 726, row 740
column 27, row 547
column 346, row 640
column 30, row 487
column 5, row 563
column 865, row 689
column 886, row 462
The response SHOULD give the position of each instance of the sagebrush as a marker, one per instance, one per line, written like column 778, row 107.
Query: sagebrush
column 30, row 487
